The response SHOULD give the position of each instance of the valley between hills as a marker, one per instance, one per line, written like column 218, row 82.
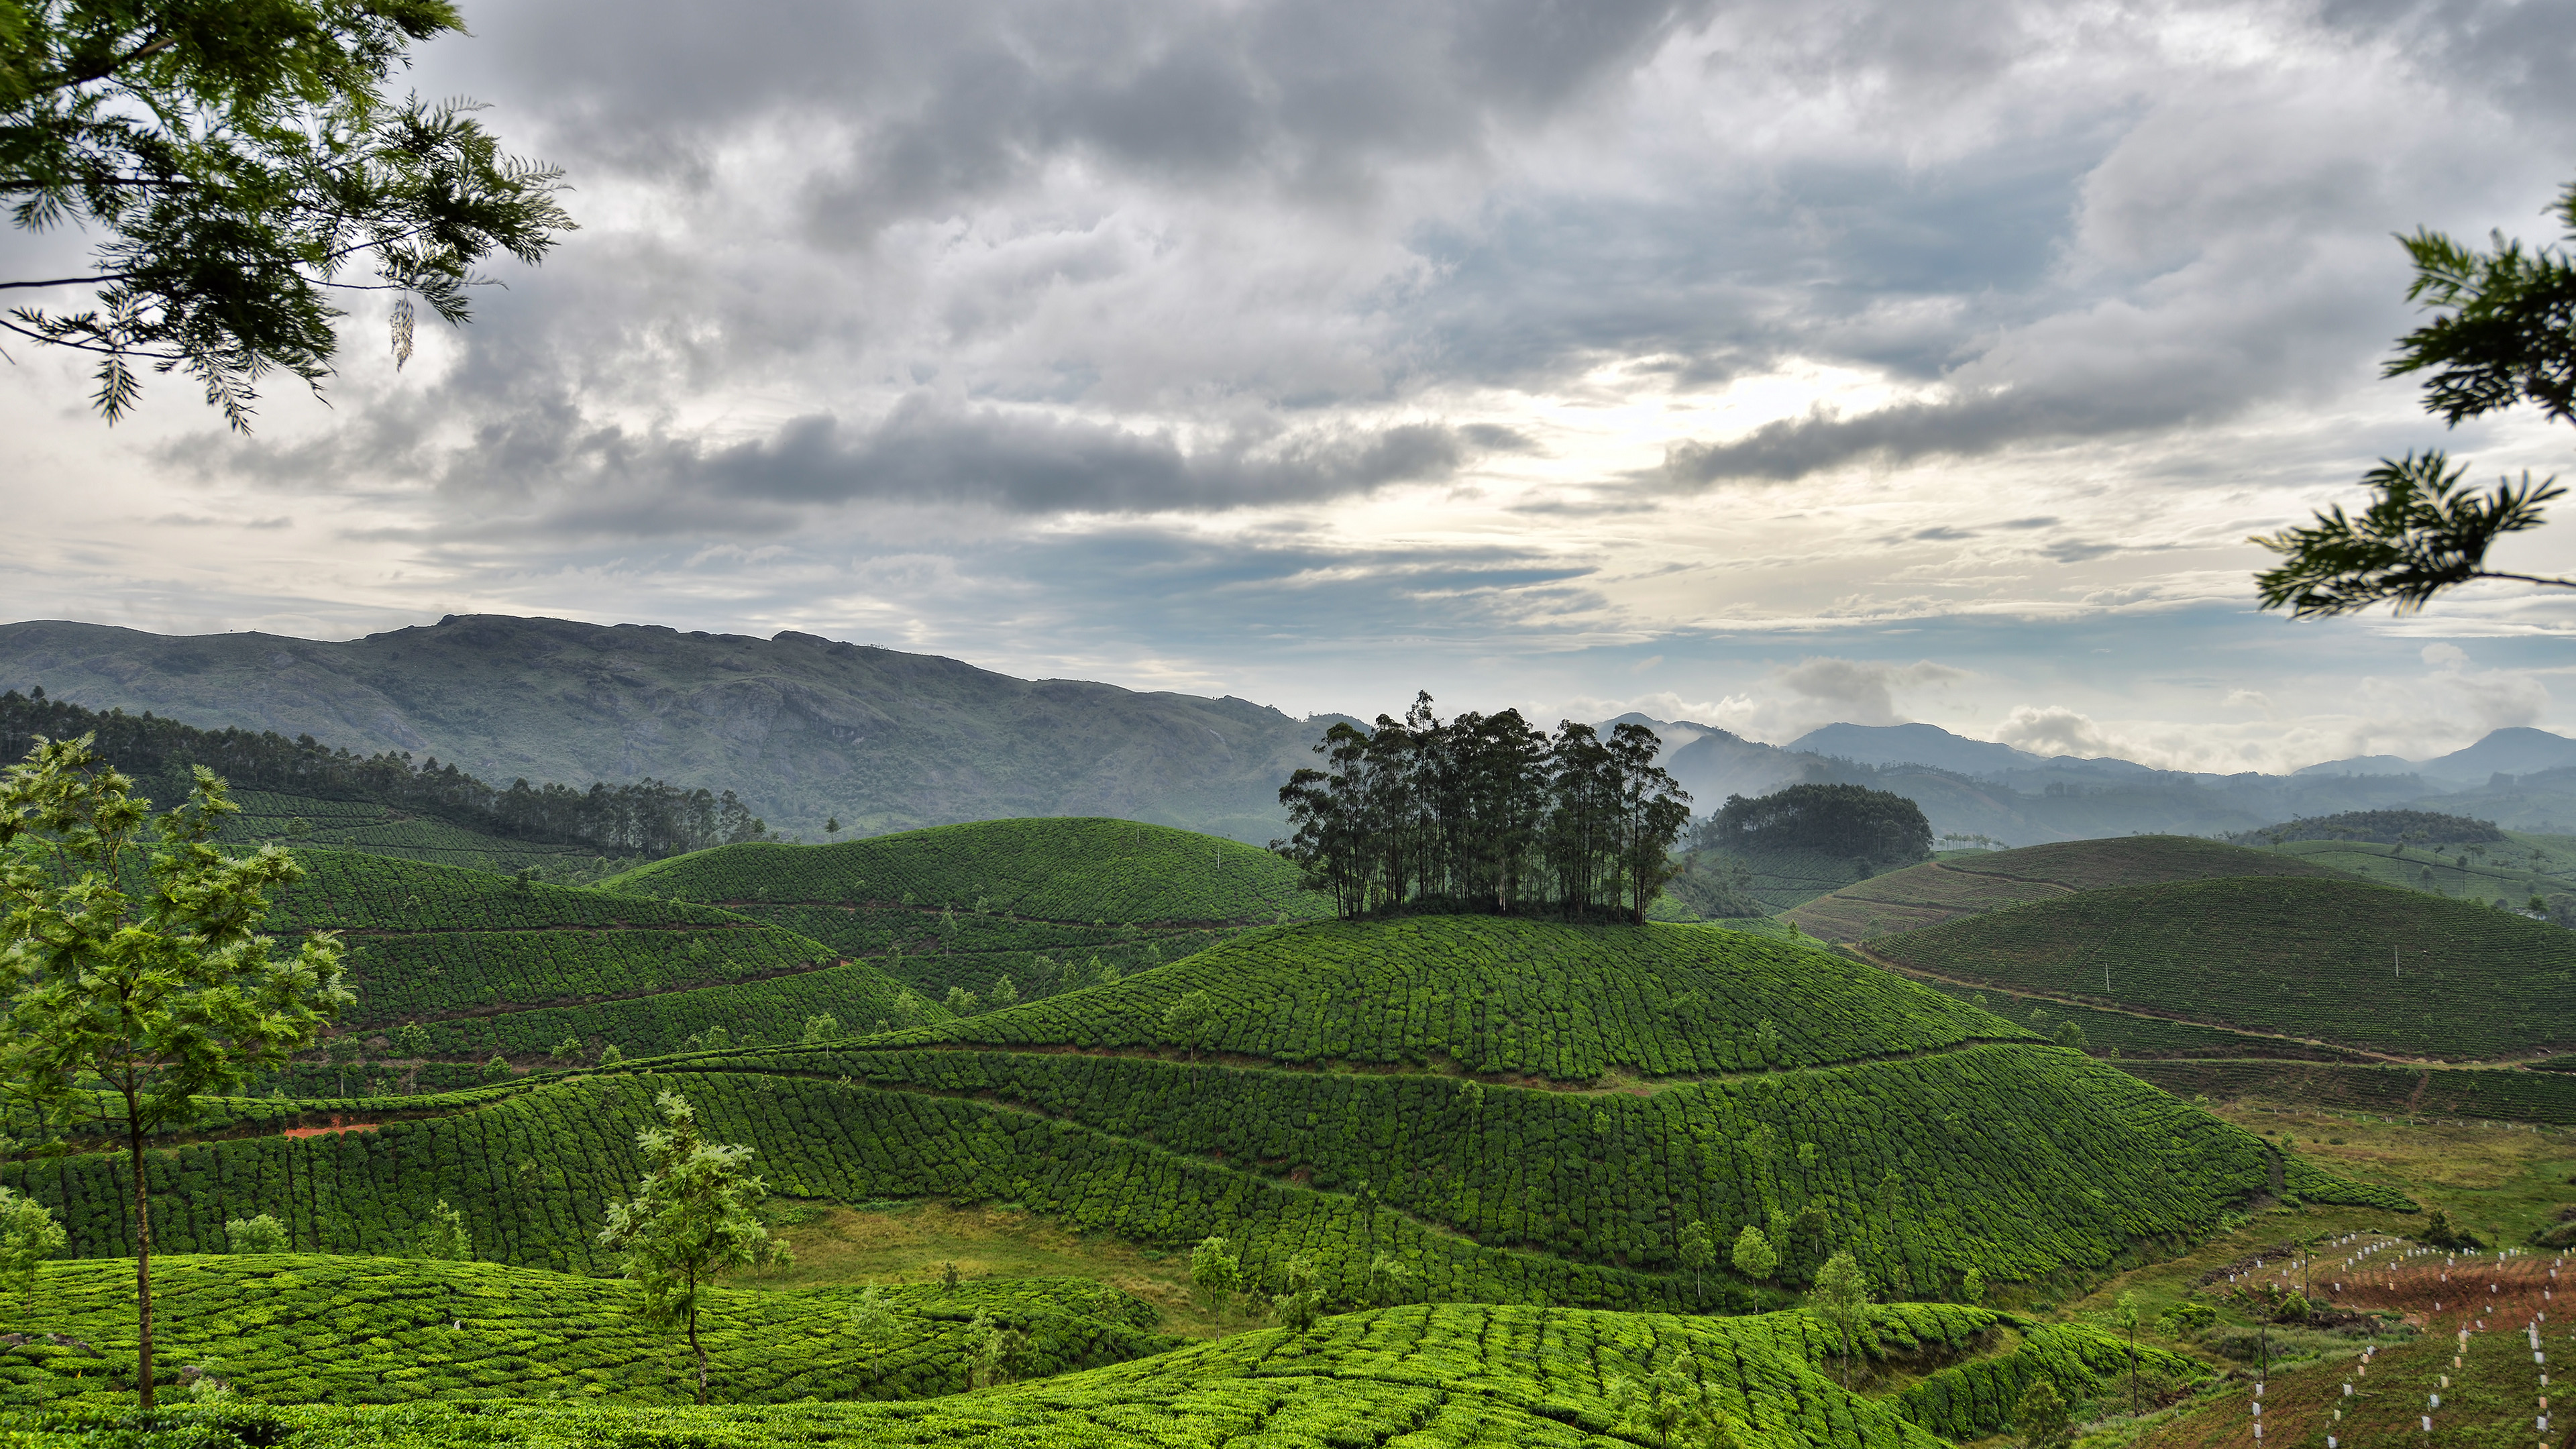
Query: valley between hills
column 1086, row 1131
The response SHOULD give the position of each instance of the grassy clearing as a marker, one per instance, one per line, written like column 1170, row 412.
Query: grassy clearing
column 912, row 1242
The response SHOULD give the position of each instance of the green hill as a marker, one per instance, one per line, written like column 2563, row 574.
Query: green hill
column 1413, row 1377
column 1835, row 1105
column 1972, row 883
column 2513, row 870
column 485, row 964
column 1048, row 904
column 2350, row 964
column 372, row 829
column 304, row 1329
column 1494, row 995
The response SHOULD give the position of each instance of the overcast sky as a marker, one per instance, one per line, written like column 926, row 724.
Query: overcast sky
column 1760, row 364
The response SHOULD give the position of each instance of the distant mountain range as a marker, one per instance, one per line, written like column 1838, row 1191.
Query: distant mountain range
column 806, row 729
column 803, row 728
column 2517, row 751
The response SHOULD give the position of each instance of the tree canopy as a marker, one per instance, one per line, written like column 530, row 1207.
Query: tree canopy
column 645, row 817
column 1484, row 813
column 234, row 160
column 1845, row 820
column 2503, row 335
column 136, row 981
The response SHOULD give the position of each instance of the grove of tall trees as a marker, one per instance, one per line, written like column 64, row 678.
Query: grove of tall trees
column 1484, row 813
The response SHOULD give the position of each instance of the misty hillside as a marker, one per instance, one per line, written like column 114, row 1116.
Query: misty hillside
column 806, row 729
column 802, row 728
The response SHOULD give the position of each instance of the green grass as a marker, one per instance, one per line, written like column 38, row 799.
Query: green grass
column 1971, row 883
column 1411, row 1378
column 298, row 1329
column 2294, row 957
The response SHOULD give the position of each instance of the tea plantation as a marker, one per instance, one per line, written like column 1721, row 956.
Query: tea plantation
column 1046, row 905
column 2350, row 964
column 1052, row 870
column 1816, row 1097
column 484, row 964
column 1418, row 1377
column 299, row 1329
column 1973, row 883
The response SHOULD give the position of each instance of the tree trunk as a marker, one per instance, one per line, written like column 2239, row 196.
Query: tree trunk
column 698, row 1349
column 142, row 1255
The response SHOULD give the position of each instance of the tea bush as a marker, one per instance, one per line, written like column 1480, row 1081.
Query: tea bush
column 293, row 1329
column 1051, row 869
column 2297, row 957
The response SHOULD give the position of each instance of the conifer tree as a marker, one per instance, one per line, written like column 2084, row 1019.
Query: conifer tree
column 690, row 1221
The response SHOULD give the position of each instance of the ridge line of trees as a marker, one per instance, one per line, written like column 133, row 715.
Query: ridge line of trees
column 1485, row 814
column 647, row 817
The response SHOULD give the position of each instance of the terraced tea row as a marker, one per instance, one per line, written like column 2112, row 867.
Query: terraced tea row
column 1111, row 871
column 289, row 1329
column 2012, row 1161
column 454, row 966
column 1563, row 1002
column 2015, row 1161
column 1420, row 1378
column 1971, row 884
column 2366, row 966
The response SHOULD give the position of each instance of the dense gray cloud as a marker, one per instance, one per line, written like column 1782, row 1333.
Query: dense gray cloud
column 1175, row 337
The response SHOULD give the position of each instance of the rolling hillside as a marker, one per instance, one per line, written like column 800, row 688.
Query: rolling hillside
column 485, row 964
column 305, row 1329
column 2515, row 869
column 803, row 728
column 1972, row 883
column 1048, row 905
column 369, row 829
column 1628, row 1081
column 1441, row 1377
column 2367, row 967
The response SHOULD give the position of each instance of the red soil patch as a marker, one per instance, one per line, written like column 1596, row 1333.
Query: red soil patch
column 336, row 1126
